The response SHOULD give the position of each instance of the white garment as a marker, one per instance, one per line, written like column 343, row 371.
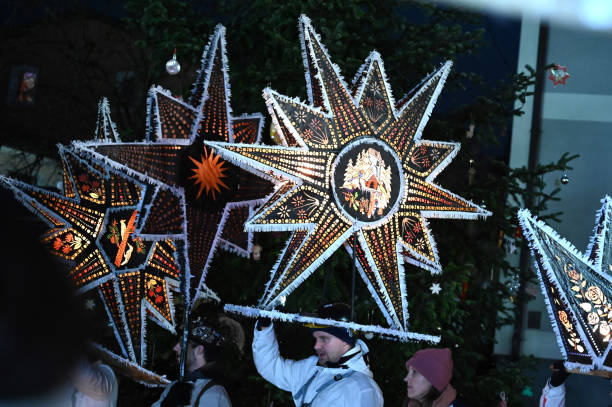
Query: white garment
column 553, row 396
column 92, row 386
column 95, row 386
column 358, row 389
column 215, row 396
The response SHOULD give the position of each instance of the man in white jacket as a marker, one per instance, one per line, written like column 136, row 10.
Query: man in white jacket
column 553, row 393
column 338, row 376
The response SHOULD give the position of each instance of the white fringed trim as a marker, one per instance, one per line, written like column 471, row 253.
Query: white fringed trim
column 361, row 76
column 159, row 380
column 373, row 59
column 404, row 336
column 307, row 74
column 89, row 148
column 578, row 366
column 224, row 150
column 216, row 40
column 388, row 305
column 274, row 269
column 271, row 302
column 206, row 294
column 266, row 300
column 528, row 222
column 151, row 126
column 104, row 119
column 371, row 288
column 307, row 29
column 270, row 96
column 443, row 74
column 455, row 147
column 126, row 329
column 421, row 261
column 112, row 323
column 203, row 73
column 603, row 218
column 260, row 126
column 551, row 313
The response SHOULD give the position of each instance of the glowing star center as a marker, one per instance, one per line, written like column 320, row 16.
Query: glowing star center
column 367, row 181
column 208, row 173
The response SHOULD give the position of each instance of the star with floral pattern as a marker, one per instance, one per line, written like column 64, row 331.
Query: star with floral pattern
column 200, row 198
column 357, row 161
column 577, row 288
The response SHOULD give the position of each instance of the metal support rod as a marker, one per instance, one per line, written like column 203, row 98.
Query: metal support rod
column 534, row 153
column 328, row 271
column 187, row 302
column 353, row 277
column 184, row 343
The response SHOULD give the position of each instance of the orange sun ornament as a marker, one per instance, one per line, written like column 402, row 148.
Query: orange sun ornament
column 208, row 173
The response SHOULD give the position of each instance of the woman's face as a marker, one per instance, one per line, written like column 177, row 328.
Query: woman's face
column 417, row 384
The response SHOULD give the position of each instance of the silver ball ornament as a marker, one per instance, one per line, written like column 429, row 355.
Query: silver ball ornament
column 564, row 179
column 368, row 335
column 172, row 66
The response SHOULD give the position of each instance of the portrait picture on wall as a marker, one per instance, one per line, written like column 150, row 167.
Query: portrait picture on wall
column 22, row 86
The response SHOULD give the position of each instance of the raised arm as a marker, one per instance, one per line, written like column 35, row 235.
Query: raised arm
column 285, row 374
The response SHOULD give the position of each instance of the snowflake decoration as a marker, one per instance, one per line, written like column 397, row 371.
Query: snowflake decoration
column 90, row 304
column 577, row 288
column 200, row 198
column 435, row 288
column 356, row 162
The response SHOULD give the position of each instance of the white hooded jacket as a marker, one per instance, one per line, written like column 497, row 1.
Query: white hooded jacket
column 333, row 387
column 553, row 396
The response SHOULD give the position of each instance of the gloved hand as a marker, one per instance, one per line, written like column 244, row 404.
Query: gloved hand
column 179, row 395
column 263, row 323
column 559, row 374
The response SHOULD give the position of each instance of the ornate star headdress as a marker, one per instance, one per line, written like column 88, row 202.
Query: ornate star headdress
column 199, row 197
column 355, row 167
column 577, row 288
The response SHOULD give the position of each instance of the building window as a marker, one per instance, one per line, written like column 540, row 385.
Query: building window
column 534, row 319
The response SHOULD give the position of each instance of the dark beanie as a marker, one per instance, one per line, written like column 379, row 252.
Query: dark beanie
column 436, row 365
column 344, row 334
column 337, row 312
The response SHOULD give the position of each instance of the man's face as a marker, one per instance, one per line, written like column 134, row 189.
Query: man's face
column 328, row 347
column 190, row 357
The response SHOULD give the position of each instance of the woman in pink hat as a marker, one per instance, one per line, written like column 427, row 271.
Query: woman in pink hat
column 428, row 379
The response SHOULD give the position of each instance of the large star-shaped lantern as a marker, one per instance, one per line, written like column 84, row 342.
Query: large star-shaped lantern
column 577, row 288
column 96, row 225
column 201, row 197
column 358, row 169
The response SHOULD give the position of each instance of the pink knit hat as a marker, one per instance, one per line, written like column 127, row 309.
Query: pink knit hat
column 435, row 364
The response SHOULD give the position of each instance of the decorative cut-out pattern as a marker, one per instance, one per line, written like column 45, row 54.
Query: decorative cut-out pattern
column 577, row 289
column 353, row 164
column 94, row 228
column 200, row 197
